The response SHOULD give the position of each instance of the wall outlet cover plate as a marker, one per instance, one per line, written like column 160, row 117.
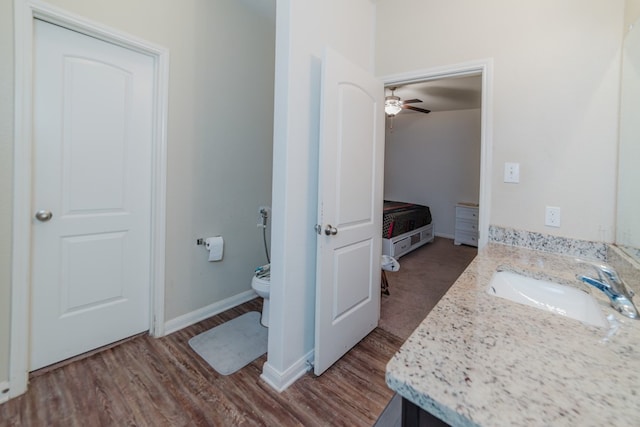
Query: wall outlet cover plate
column 512, row 172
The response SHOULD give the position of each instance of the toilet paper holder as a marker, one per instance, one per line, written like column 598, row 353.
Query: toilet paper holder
column 215, row 246
column 201, row 241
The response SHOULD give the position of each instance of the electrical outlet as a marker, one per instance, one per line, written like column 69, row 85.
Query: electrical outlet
column 512, row 172
column 552, row 216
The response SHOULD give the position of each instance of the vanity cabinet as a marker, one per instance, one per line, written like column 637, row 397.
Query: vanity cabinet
column 466, row 231
column 414, row 416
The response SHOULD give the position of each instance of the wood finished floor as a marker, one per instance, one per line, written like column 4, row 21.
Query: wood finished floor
column 146, row 381
column 162, row 382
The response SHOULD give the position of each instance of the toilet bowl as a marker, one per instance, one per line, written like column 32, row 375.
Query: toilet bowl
column 260, row 283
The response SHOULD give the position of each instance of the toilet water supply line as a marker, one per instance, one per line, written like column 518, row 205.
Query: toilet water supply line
column 265, row 214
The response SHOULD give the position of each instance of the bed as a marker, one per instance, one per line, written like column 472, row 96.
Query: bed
column 405, row 227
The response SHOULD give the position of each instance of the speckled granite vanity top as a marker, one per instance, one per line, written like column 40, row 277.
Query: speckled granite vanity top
column 481, row 360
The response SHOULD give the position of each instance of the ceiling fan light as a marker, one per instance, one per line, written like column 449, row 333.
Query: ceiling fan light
column 392, row 105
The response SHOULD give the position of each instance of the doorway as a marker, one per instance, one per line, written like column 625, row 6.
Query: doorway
column 432, row 158
column 484, row 70
column 432, row 147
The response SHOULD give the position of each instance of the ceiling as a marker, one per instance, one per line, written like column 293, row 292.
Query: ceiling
column 451, row 93
column 447, row 94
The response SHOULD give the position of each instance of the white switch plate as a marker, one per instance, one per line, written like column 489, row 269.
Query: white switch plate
column 512, row 172
column 552, row 216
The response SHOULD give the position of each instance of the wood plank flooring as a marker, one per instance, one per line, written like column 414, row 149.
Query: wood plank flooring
column 162, row 382
column 425, row 275
column 146, row 381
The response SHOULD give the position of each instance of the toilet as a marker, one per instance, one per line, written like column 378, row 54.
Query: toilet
column 260, row 283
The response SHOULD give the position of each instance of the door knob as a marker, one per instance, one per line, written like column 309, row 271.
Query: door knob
column 330, row 231
column 43, row 215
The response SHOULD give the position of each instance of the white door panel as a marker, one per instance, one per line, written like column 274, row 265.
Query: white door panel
column 85, row 283
column 355, row 154
column 92, row 171
column 96, row 135
column 352, row 287
column 350, row 209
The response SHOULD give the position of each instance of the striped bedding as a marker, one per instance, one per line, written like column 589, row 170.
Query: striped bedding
column 401, row 217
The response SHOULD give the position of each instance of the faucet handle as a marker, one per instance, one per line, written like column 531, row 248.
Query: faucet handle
column 605, row 272
column 609, row 272
column 619, row 301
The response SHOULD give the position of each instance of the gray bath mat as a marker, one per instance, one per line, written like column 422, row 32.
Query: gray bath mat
column 232, row 345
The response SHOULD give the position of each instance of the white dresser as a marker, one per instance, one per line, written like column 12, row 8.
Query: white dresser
column 466, row 224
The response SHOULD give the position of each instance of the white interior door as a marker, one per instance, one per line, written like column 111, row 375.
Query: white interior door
column 350, row 209
column 91, row 193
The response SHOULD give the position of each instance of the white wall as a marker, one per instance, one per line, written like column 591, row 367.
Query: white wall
column 304, row 28
column 555, row 93
column 434, row 160
column 631, row 12
column 220, row 130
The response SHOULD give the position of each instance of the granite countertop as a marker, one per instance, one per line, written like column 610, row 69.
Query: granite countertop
column 481, row 360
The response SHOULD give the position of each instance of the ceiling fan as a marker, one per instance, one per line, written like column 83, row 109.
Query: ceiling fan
column 393, row 104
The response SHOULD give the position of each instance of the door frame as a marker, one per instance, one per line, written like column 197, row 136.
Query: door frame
column 484, row 67
column 25, row 11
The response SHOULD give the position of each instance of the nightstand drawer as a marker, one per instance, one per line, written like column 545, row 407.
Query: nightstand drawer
column 467, row 226
column 467, row 213
column 466, row 238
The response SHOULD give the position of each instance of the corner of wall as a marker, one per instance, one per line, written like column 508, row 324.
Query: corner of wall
column 279, row 381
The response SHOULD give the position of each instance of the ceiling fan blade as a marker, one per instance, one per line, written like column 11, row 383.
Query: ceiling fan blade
column 411, row 101
column 422, row 110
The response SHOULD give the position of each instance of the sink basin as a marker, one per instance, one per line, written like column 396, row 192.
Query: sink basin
column 559, row 299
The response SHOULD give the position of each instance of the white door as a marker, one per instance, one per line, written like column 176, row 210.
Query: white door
column 91, row 193
column 349, row 209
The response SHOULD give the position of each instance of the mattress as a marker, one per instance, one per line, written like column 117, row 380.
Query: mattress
column 401, row 217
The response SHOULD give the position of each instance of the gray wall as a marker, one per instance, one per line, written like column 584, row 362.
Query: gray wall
column 434, row 160
column 220, row 131
column 6, row 173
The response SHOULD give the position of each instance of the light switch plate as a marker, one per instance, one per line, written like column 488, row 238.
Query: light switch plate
column 512, row 172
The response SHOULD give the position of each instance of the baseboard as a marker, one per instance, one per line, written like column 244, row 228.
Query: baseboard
column 4, row 391
column 445, row 235
column 189, row 319
column 280, row 381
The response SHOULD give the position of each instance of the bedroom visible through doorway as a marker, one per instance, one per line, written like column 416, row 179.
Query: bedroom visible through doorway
column 443, row 157
column 433, row 159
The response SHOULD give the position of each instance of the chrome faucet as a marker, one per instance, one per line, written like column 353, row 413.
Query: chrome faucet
column 614, row 288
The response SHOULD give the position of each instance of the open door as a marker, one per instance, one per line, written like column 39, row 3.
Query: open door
column 349, row 209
